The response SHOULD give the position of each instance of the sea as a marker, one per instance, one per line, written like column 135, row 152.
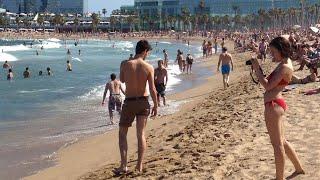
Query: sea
column 42, row 114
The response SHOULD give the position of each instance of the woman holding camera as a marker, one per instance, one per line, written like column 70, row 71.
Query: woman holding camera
column 275, row 106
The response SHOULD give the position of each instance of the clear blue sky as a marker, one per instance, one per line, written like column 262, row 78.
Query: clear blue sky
column 98, row 5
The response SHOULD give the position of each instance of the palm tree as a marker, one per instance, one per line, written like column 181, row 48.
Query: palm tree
column 95, row 21
column 185, row 16
column 40, row 21
column 76, row 23
column 235, row 9
column 195, row 21
column 104, row 12
column 17, row 22
column 164, row 19
column 205, row 19
column 202, row 5
column 262, row 17
column 3, row 21
column 171, row 20
column 226, row 20
column 131, row 20
column 113, row 21
column 302, row 4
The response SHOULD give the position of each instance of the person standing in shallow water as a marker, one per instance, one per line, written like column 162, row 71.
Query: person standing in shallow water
column 69, row 67
column 136, row 73
column 10, row 75
column 226, row 60
column 26, row 73
column 275, row 106
column 161, row 80
column 115, row 100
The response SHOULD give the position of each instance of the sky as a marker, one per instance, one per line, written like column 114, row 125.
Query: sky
column 98, row 5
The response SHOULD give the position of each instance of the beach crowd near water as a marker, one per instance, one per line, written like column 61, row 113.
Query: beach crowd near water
column 286, row 48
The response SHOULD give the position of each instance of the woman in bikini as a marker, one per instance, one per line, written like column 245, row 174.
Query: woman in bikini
column 275, row 106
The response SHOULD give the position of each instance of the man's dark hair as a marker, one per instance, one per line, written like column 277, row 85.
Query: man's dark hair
column 27, row 68
column 68, row 61
column 224, row 49
column 113, row 76
column 143, row 45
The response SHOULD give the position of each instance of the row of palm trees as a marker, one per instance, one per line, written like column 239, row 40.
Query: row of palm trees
column 185, row 21
column 272, row 18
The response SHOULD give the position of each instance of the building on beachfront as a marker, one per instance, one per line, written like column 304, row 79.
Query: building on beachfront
column 21, row 6
column 213, row 7
column 52, row 6
column 66, row 6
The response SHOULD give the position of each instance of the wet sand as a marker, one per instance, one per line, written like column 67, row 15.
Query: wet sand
column 217, row 135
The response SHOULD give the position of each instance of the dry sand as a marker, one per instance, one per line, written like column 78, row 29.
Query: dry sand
column 220, row 135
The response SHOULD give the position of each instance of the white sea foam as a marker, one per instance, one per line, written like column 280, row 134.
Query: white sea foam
column 173, row 72
column 76, row 59
column 7, row 57
column 120, row 44
column 14, row 48
column 54, row 40
column 48, row 45
column 33, row 91
column 94, row 93
column 164, row 42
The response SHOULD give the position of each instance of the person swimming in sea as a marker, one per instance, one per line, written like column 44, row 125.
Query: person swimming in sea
column 49, row 72
column 69, row 68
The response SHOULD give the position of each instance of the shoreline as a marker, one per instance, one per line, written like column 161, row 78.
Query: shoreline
column 49, row 157
column 194, row 95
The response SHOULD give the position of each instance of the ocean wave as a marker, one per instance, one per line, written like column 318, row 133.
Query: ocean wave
column 33, row 91
column 53, row 40
column 48, row 45
column 7, row 57
column 20, row 47
column 164, row 42
column 94, row 93
column 120, row 44
column 76, row 59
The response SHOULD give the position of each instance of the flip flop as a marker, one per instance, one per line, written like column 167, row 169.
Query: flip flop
column 119, row 172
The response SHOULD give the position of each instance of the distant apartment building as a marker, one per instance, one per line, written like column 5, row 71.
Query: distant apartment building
column 53, row 6
column 67, row 6
column 213, row 7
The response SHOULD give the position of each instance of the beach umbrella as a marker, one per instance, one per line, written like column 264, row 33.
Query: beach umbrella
column 314, row 29
column 296, row 27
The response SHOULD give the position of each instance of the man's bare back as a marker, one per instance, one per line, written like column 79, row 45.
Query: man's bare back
column 114, row 87
column 225, row 58
column 160, row 74
column 135, row 73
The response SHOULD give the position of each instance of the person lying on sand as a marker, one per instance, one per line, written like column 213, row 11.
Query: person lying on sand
column 311, row 91
column 313, row 77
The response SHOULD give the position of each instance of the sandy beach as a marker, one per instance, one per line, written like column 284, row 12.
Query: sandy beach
column 217, row 135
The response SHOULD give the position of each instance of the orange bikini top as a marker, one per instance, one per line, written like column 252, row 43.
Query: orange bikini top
column 281, row 83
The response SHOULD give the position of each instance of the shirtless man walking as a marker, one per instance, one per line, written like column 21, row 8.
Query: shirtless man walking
column 226, row 59
column 161, row 80
column 135, row 74
column 115, row 100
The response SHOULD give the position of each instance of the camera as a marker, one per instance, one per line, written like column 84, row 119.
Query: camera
column 249, row 62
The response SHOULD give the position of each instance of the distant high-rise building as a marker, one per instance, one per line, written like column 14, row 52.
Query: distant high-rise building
column 54, row 6
column 213, row 7
column 67, row 6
